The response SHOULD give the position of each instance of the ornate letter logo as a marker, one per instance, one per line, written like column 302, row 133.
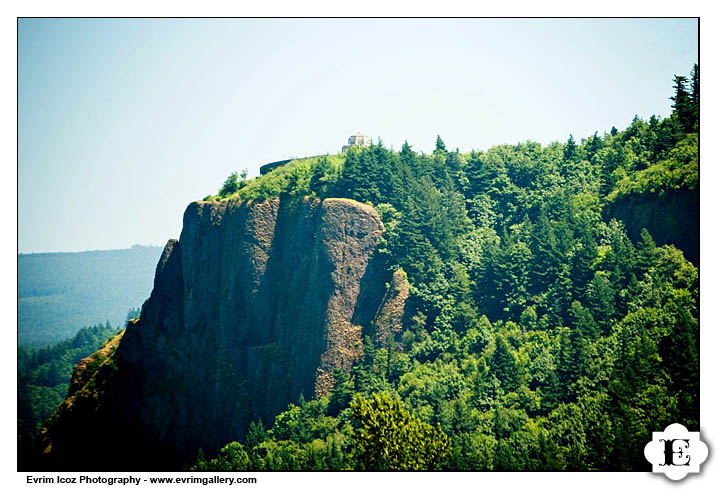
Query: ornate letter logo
column 676, row 452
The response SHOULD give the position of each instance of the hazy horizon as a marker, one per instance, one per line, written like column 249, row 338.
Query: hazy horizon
column 94, row 250
column 123, row 122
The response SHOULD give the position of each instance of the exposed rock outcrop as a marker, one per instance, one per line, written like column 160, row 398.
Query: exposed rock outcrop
column 256, row 304
column 671, row 218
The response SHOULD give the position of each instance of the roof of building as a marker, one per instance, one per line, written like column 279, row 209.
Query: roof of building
column 360, row 134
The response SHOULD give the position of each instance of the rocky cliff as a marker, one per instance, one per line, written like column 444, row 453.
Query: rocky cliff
column 671, row 218
column 256, row 304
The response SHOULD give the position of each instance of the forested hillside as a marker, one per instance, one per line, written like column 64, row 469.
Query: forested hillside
column 552, row 321
column 60, row 292
column 43, row 377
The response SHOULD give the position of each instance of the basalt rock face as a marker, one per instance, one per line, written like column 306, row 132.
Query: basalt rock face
column 256, row 304
column 671, row 218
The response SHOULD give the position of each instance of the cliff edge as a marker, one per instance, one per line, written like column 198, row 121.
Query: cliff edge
column 256, row 304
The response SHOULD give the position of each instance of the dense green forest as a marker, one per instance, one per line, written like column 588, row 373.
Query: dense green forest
column 43, row 378
column 58, row 292
column 540, row 334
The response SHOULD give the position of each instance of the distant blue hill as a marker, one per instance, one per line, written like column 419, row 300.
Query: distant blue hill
column 59, row 293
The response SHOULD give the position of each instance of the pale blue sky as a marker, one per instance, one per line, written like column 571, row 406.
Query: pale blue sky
column 123, row 122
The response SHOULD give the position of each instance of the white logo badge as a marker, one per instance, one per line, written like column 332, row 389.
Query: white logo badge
column 676, row 452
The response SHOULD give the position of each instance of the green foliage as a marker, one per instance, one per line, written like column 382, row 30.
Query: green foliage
column 44, row 378
column 232, row 457
column 230, row 186
column 684, row 101
column 341, row 394
column 390, row 438
column 256, row 434
column 300, row 177
column 505, row 364
column 678, row 171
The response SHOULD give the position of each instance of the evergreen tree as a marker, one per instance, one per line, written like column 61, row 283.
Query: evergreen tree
column 601, row 299
column 341, row 394
column 593, row 145
column 560, row 296
column 570, row 361
column 646, row 253
column 695, row 98
column 465, row 315
column 585, row 253
column 682, row 104
column 547, row 257
column 440, row 146
column 569, row 150
column 256, row 434
column 323, row 178
column 583, row 321
column 504, row 365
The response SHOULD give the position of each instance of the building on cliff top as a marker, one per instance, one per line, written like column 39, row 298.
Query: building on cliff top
column 357, row 139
